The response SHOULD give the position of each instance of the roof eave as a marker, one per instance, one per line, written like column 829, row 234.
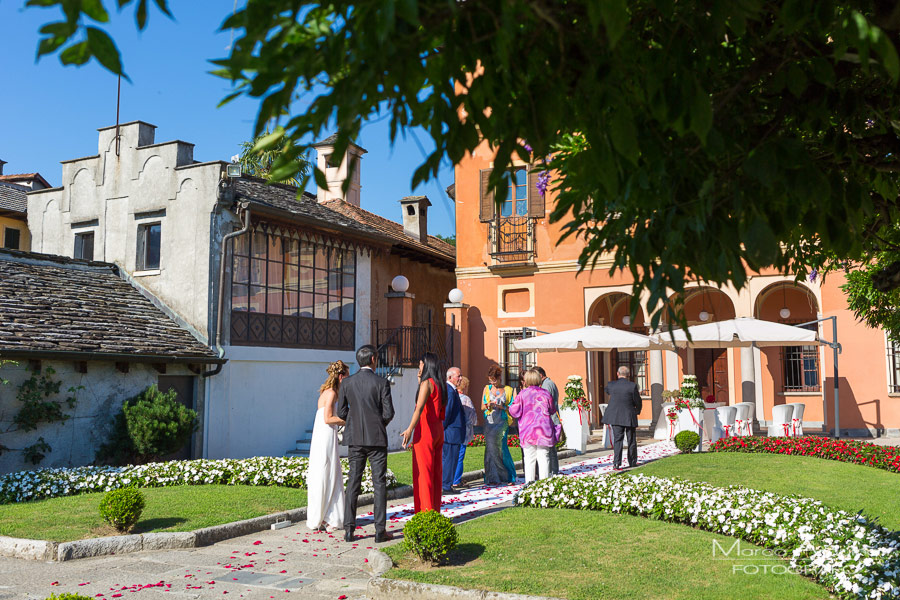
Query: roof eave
column 110, row 356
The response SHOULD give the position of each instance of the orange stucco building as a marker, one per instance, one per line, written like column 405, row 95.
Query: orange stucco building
column 516, row 280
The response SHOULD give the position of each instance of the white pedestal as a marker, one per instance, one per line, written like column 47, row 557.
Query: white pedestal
column 691, row 420
column 577, row 428
column 662, row 423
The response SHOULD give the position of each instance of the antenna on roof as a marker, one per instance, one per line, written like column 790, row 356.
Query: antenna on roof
column 118, row 99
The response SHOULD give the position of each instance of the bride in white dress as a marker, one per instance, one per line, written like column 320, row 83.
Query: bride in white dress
column 324, row 481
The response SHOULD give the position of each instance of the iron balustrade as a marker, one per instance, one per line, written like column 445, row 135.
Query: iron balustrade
column 512, row 239
column 404, row 346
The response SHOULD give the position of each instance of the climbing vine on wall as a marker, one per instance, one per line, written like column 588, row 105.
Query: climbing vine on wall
column 41, row 403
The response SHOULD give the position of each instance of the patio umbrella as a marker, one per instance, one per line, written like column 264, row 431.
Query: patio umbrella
column 741, row 332
column 592, row 337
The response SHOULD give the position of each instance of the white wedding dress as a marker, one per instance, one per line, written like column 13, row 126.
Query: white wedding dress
column 324, row 481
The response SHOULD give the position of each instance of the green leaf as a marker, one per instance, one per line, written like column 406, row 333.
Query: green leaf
column 321, row 180
column 615, row 19
column 796, row 80
column 95, row 10
column 269, row 140
column 76, row 54
column 104, row 50
column 823, row 71
column 701, row 113
column 140, row 14
column 760, row 243
column 888, row 53
column 163, row 7
column 624, row 135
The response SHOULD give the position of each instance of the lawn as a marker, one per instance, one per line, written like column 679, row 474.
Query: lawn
column 181, row 508
column 587, row 555
column 401, row 462
column 841, row 485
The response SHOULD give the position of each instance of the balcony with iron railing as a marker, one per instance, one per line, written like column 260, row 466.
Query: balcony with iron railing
column 512, row 240
column 403, row 347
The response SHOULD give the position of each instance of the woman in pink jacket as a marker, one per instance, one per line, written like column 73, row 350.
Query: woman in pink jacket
column 537, row 433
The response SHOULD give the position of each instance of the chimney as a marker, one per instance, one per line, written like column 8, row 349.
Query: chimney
column 2, row 162
column 415, row 217
column 337, row 170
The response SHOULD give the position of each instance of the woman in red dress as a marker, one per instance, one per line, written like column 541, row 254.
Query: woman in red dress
column 427, row 432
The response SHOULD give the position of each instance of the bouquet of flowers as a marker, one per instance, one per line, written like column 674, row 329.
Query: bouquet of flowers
column 672, row 415
column 575, row 396
column 690, row 394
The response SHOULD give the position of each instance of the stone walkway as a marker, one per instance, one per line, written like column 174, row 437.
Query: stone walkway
column 266, row 565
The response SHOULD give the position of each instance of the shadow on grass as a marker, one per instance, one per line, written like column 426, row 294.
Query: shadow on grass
column 464, row 554
column 149, row 525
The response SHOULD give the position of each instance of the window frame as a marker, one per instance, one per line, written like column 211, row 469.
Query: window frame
column 18, row 237
column 637, row 362
column 509, row 361
column 81, row 237
column 143, row 233
column 801, row 357
column 893, row 366
column 291, row 292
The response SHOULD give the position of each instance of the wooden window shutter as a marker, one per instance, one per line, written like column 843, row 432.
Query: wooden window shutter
column 536, row 205
column 487, row 197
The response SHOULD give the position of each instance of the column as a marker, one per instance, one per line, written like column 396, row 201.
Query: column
column 655, row 358
column 748, row 380
column 399, row 309
column 456, row 316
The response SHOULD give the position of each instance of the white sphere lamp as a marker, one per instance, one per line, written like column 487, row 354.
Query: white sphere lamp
column 704, row 316
column 626, row 320
column 455, row 296
column 785, row 312
column 400, row 284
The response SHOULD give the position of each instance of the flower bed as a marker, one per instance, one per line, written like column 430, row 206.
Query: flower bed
column 860, row 453
column 845, row 552
column 512, row 441
column 263, row 470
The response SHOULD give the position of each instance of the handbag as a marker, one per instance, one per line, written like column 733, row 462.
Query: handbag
column 340, row 435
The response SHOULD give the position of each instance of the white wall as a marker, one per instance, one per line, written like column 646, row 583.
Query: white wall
column 76, row 440
column 112, row 195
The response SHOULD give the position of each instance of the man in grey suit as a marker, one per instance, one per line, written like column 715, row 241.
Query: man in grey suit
column 621, row 413
column 364, row 402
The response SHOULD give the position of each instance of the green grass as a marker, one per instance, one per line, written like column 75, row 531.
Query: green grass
column 593, row 555
column 401, row 462
column 841, row 485
column 179, row 508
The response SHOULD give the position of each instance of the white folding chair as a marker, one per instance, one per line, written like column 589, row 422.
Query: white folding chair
column 797, row 419
column 781, row 420
column 751, row 415
column 741, row 416
column 724, row 427
column 607, row 429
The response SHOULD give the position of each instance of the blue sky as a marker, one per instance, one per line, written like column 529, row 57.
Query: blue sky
column 50, row 113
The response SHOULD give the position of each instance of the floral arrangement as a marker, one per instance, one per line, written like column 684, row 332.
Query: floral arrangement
column 672, row 415
column 575, row 396
column 847, row 553
column 849, row 451
column 689, row 394
column 261, row 470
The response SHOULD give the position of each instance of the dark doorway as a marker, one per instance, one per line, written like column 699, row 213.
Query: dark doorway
column 184, row 388
column 711, row 366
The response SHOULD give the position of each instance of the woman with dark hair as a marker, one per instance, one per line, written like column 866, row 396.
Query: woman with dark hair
column 427, row 432
column 324, row 481
column 495, row 400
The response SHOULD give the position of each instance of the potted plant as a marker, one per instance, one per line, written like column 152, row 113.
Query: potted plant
column 574, row 412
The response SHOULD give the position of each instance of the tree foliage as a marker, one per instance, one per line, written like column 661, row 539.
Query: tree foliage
column 262, row 161
column 690, row 140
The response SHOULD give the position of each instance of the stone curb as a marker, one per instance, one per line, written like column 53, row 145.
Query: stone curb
column 124, row 544
column 380, row 588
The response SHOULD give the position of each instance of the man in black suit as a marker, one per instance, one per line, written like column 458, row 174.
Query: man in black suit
column 454, row 430
column 624, row 405
column 364, row 402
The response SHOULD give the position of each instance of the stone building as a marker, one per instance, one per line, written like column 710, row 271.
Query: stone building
column 93, row 326
column 276, row 282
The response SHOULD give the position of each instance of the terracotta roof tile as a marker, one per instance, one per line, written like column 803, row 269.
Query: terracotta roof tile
column 394, row 231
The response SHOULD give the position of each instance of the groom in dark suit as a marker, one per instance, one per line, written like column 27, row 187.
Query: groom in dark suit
column 364, row 402
column 454, row 430
column 624, row 405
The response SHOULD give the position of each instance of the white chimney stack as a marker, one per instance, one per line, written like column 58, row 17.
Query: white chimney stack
column 415, row 217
